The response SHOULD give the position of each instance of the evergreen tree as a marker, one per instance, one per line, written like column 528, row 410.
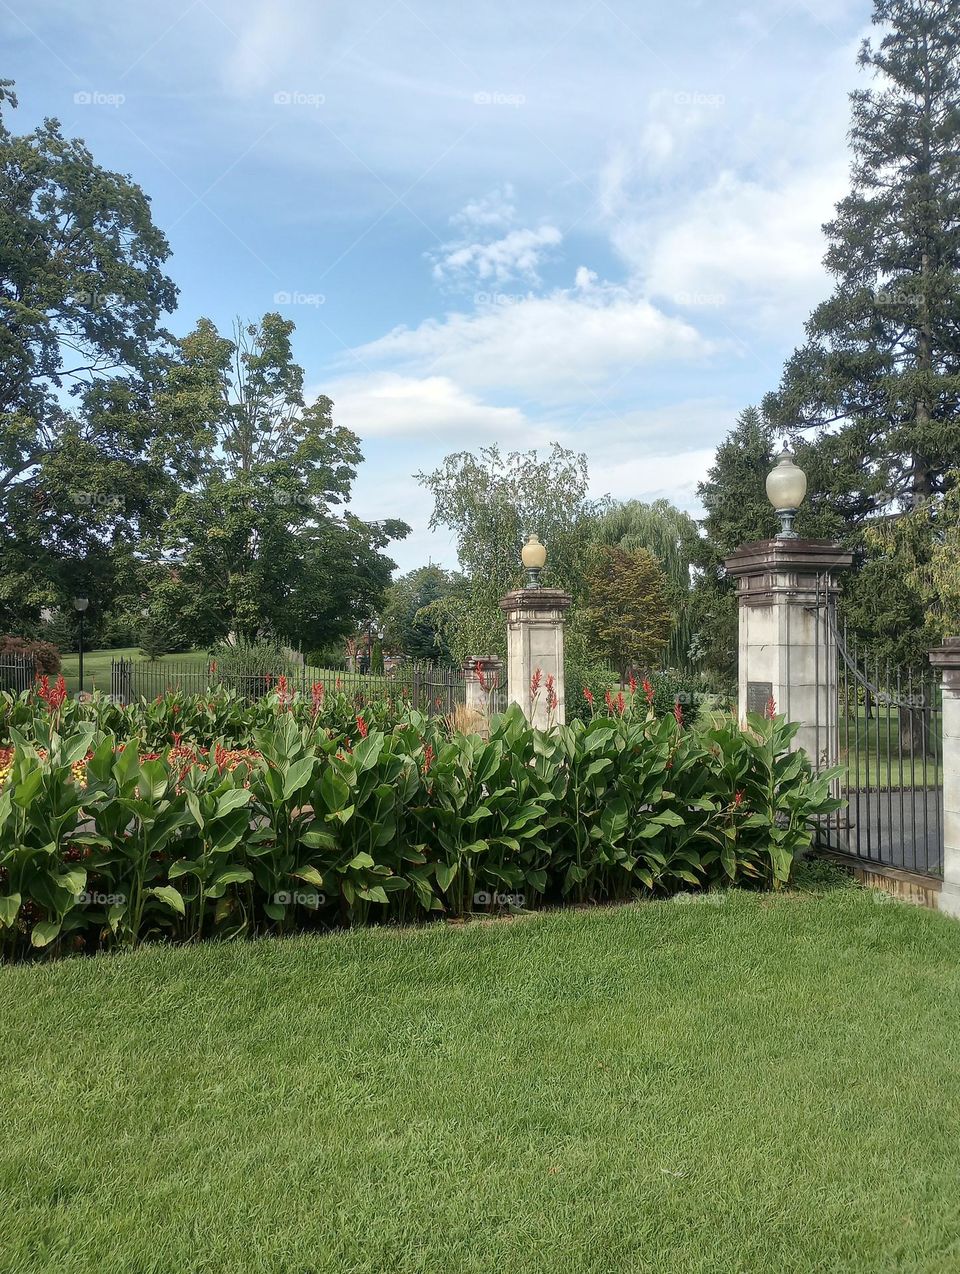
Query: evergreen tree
column 878, row 381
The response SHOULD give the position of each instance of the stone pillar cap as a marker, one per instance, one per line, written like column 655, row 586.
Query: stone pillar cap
column 947, row 656
column 536, row 599
column 809, row 557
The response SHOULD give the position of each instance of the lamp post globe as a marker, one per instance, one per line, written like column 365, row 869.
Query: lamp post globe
column 786, row 489
column 534, row 557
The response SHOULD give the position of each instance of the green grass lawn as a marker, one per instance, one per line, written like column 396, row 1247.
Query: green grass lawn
column 96, row 671
column 96, row 666
column 760, row 1084
column 870, row 749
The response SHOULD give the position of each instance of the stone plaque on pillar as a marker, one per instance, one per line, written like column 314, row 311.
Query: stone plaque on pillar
column 535, row 619
column 759, row 694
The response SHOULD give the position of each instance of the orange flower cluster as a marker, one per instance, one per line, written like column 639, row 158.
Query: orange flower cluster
column 180, row 757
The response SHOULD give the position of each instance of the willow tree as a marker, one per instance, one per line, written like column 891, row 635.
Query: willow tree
column 492, row 501
column 673, row 539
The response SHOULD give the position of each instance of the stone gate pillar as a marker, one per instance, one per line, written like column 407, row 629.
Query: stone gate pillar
column 535, row 618
column 947, row 659
column 786, row 592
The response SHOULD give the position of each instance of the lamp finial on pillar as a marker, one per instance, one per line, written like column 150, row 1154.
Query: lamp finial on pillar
column 534, row 557
column 786, row 488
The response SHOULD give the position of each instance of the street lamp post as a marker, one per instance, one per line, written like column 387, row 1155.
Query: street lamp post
column 80, row 605
column 786, row 488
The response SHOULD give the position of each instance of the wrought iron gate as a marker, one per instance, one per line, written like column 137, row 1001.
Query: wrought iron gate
column 888, row 738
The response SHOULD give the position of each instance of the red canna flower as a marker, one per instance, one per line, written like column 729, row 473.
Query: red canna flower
column 362, row 727
column 427, row 758
column 57, row 695
column 633, row 684
column 317, row 692
column 620, row 703
column 770, row 711
column 588, row 695
column 648, row 690
column 481, row 680
column 535, row 681
column 737, row 799
column 553, row 700
column 678, row 712
column 608, row 700
column 283, row 695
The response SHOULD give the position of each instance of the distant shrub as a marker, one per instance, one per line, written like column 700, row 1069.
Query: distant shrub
column 692, row 691
column 581, row 675
column 252, row 667
column 46, row 658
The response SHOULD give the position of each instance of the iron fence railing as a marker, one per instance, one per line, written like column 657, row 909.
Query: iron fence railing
column 17, row 672
column 886, row 732
column 430, row 688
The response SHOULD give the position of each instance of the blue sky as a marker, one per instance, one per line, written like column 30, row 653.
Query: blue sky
column 516, row 222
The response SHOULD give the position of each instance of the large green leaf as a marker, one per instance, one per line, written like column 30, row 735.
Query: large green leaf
column 170, row 896
column 9, row 909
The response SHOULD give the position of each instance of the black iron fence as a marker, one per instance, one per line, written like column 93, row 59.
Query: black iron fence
column 887, row 734
column 17, row 672
column 430, row 688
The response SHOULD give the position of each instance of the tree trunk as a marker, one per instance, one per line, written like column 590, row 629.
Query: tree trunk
column 916, row 738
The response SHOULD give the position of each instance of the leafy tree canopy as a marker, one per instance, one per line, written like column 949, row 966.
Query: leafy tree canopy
column 492, row 501
column 628, row 612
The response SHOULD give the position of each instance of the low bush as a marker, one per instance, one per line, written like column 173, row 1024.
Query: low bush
column 45, row 656
column 308, row 818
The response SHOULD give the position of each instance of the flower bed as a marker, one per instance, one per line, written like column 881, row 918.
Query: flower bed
column 188, row 818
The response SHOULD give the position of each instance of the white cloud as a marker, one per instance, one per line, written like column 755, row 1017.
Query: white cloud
column 493, row 211
column 543, row 346
column 473, row 257
column 655, row 452
column 740, row 243
column 388, row 405
column 516, row 256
